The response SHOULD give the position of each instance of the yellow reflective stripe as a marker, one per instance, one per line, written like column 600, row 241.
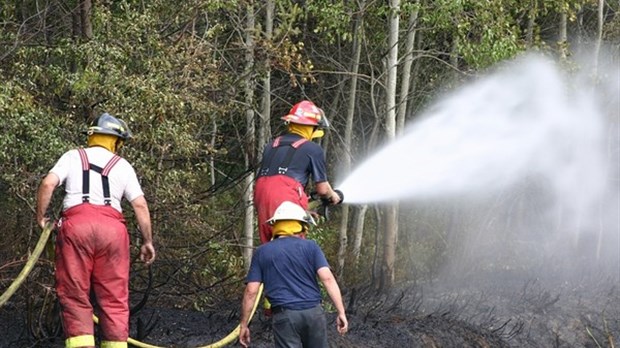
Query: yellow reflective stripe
column 113, row 344
column 80, row 341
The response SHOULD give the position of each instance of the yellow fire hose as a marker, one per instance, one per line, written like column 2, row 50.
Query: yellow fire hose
column 221, row 343
column 29, row 265
column 35, row 256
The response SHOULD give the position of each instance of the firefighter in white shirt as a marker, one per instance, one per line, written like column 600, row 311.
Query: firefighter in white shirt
column 92, row 245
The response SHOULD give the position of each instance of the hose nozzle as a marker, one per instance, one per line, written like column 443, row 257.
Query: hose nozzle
column 340, row 194
column 325, row 202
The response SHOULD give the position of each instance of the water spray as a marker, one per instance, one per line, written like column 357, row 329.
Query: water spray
column 521, row 121
column 528, row 129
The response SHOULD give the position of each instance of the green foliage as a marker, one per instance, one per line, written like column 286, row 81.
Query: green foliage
column 333, row 20
column 30, row 140
column 488, row 35
column 170, row 89
column 486, row 32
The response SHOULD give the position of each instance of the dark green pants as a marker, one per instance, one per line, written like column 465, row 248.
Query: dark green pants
column 300, row 328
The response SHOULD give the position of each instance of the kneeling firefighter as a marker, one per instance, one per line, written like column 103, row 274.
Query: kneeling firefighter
column 92, row 245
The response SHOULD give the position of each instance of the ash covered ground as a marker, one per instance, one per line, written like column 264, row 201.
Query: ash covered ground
column 509, row 311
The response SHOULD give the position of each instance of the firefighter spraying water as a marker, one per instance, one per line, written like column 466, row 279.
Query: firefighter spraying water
column 289, row 161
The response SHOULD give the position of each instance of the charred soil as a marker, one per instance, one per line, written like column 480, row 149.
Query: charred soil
column 473, row 313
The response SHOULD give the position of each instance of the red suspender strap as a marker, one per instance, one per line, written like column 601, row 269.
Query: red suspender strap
column 299, row 142
column 283, row 167
column 86, row 167
column 84, row 159
column 104, row 179
column 111, row 163
column 85, row 175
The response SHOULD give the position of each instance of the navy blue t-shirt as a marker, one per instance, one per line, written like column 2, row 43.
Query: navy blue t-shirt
column 287, row 267
column 308, row 160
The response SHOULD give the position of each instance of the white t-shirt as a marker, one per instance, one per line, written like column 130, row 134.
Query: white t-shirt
column 122, row 178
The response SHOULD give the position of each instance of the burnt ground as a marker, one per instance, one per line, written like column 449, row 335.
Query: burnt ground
column 471, row 313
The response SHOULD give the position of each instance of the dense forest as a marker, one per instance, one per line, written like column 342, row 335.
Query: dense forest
column 203, row 84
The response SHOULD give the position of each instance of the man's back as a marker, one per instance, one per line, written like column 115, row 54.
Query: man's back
column 307, row 160
column 288, row 267
column 123, row 181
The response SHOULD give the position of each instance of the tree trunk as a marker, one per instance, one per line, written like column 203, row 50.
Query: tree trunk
column 562, row 36
column 373, row 139
column 391, row 225
column 212, row 152
column 531, row 23
column 86, row 24
column 376, row 265
column 414, row 78
column 250, row 148
column 454, row 55
column 264, row 129
column 597, row 50
column 599, row 35
column 358, row 232
column 348, row 134
column 406, row 74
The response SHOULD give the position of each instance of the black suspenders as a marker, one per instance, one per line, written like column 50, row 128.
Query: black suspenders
column 105, row 171
column 283, row 167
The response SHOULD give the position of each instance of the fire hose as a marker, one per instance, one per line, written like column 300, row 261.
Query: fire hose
column 34, row 257
column 29, row 265
column 221, row 343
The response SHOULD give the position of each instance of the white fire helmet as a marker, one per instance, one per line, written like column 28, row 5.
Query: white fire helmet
column 291, row 211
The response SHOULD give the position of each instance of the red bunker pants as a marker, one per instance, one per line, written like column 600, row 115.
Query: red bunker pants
column 92, row 252
column 269, row 193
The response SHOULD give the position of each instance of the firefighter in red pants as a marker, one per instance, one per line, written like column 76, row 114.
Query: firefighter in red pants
column 92, row 245
column 288, row 163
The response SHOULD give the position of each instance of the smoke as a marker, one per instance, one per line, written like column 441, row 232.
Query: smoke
column 527, row 156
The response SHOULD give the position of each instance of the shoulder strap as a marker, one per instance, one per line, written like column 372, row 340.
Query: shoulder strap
column 299, row 142
column 105, row 171
column 282, row 167
column 104, row 179
column 276, row 142
column 85, row 175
